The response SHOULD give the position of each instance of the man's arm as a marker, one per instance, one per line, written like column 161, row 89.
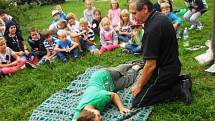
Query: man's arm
column 147, row 72
column 116, row 99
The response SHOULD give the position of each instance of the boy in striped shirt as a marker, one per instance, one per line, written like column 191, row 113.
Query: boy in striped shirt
column 87, row 39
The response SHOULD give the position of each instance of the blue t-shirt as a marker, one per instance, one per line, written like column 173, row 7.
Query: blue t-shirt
column 173, row 18
column 64, row 45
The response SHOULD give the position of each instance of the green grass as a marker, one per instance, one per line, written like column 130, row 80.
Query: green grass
column 24, row 91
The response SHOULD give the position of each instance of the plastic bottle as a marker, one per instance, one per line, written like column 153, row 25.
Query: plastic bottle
column 186, row 37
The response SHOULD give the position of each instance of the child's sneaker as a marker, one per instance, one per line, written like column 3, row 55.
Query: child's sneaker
column 65, row 61
column 192, row 27
column 29, row 65
column 127, row 51
column 200, row 27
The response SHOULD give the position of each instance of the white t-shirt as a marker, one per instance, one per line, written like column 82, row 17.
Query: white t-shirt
column 74, row 28
column 6, row 58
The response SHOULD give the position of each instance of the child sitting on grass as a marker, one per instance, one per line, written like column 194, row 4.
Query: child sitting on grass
column 196, row 9
column 88, row 12
column 65, row 46
column 9, row 61
column 49, row 44
column 135, row 44
column 87, row 38
column 165, row 9
column 96, row 21
column 62, row 14
column 123, row 28
column 101, row 90
column 35, row 40
column 5, row 17
column 157, row 6
column 73, row 24
column 14, row 40
column 108, row 36
column 114, row 13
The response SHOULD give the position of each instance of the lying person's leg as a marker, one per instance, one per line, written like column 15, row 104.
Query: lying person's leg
column 125, row 80
column 122, row 68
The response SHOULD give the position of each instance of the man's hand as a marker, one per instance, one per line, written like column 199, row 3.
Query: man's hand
column 136, row 90
column 175, row 25
column 124, row 110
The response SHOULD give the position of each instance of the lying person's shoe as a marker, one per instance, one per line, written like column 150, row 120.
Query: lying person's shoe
column 137, row 62
column 185, row 91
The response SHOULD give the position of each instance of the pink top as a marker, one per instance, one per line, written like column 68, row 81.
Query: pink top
column 114, row 15
column 108, row 36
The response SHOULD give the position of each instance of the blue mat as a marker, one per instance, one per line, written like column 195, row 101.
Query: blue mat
column 61, row 105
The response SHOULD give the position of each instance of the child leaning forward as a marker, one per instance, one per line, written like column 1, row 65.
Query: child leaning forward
column 65, row 46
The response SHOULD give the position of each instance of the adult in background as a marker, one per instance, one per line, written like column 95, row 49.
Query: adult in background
column 159, row 79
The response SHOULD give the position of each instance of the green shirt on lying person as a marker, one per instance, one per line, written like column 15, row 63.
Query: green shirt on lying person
column 98, row 92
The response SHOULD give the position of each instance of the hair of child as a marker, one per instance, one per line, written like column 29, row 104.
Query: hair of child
column 83, row 21
column 46, row 33
column 114, row 1
column 97, row 11
column 2, row 39
column 58, row 6
column 2, row 11
column 104, row 20
column 71, row 16
column 124, row 12
column 86, row 116
column 61, row 33
column 33, row 29
column 164, row 5
column 62, row 24
column 88, row 1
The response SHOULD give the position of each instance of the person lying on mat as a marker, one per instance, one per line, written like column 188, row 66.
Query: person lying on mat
column 101, row 90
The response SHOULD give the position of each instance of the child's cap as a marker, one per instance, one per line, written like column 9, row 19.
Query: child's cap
column 136, row 25
column 164, row 5
column 54, row 12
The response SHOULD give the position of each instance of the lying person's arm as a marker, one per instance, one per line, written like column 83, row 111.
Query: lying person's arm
column 116, row 99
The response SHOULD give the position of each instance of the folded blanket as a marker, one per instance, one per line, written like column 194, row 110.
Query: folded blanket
column 61, row 105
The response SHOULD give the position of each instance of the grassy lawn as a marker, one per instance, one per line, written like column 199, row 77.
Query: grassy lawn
column 24, row 91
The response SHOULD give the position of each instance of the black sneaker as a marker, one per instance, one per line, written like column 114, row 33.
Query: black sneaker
column 185, row 91
column 188, row 78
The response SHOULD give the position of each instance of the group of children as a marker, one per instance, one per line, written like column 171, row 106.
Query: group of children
column 67, row 36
